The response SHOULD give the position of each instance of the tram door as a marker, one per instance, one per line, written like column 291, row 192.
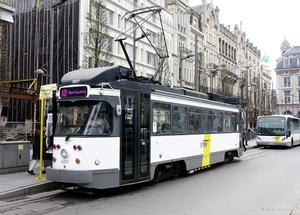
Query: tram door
column 135, row 137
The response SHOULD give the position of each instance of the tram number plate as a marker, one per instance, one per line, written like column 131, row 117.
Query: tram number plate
column 64, row 161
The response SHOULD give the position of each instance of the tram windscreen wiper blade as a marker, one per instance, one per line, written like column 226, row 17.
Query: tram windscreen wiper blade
column 76, row 127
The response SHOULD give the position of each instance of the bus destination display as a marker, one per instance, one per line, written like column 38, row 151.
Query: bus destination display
column 73, row 92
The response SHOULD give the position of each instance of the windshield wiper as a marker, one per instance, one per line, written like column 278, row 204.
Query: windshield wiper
column 76, row 127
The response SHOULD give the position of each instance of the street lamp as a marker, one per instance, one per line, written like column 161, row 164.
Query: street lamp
column 40, row 71
column 135, row 39
column 180, row 65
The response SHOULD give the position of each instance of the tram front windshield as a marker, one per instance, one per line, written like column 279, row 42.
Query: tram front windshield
column 84, row 118
column 271, row 126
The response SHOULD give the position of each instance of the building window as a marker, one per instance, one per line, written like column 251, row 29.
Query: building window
column 286, row 64
column 195, row 23
column 109, row 17
column 129, row 26
column 129, row 49
column 181, row 41
column 210, row 38
column 131, row 5
column 181, row 21
column 150, row 58
column 287, row 82
column 287, row 97
column 151, row 37
column 210, row 58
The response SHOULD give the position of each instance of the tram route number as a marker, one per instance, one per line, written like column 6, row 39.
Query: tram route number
column 64, row 161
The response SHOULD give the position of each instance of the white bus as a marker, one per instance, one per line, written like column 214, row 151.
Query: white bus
column 278, row 130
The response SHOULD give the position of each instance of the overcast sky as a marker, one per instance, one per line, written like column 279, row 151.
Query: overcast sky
column 265, row 22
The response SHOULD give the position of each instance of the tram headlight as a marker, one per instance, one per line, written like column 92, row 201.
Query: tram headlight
column 64, row 153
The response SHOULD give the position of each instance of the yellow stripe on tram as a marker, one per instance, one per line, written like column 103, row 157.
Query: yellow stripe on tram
column 277, row 139
column 206, row 150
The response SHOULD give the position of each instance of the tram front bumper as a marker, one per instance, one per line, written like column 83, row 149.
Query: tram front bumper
column 69, row 176
column 99, row 179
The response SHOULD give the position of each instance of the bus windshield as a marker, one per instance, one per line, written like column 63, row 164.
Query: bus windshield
column 84, row 118
column 271, row 126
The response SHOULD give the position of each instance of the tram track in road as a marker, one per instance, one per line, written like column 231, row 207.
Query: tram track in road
column 53, row 201
column 43, row 203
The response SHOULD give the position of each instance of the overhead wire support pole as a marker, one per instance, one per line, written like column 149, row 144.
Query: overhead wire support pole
column 50, row 67
column 42, row 109
column 51, row 51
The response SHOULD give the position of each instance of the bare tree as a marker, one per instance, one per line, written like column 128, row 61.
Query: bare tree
column 164, row 75
column 97, row 44
column 4, row 74
column 224, row 81
column 202, row 74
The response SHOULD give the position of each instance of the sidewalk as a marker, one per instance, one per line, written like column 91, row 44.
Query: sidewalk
column 20, row 184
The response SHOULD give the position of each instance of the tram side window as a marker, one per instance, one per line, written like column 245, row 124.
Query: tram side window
column 179, row 120
column 227, row 122
column 234, row 122
column 161, row 118
column 218, row 121
column 206, row 122
column 195, row 121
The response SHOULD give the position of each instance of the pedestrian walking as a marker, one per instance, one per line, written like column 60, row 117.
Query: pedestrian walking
column 244, row 139
column 36, row 148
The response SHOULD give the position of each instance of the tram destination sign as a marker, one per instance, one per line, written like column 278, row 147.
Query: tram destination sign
column 73, row 92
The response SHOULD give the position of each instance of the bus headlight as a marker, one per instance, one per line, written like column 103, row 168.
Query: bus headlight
column 64, row 153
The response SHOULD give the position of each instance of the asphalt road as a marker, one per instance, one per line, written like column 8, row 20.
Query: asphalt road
column 263, row 181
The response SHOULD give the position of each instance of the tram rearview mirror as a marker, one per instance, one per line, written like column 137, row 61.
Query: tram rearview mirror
column 118, row 110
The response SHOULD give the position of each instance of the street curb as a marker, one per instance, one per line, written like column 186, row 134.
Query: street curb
column 29, row 190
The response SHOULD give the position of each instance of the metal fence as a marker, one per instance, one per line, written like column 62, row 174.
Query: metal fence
column 16, row 131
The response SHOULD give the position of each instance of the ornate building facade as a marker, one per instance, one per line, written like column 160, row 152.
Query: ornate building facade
column 288, row 80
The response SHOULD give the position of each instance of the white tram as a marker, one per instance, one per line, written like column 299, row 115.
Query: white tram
column 149, row 132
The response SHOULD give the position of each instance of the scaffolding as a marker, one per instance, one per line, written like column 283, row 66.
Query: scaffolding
column 29, row 41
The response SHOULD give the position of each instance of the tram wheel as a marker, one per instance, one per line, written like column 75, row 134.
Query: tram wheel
column 228, row 157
